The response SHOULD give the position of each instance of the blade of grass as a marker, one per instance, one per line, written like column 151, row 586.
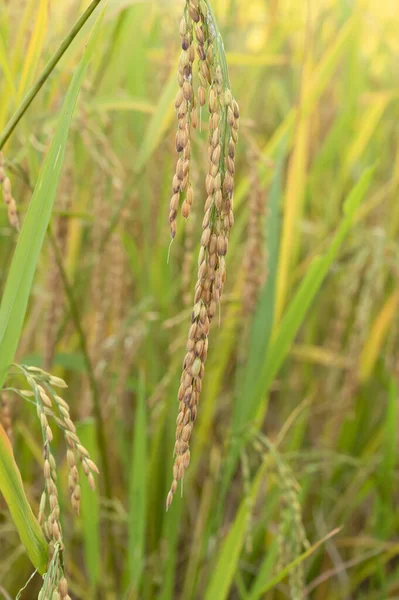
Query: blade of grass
column 137, row 493
column 11, row 487
column 227, row 562
column 264, row 572
column 261, row 326
column 13, row 59
column 308, row 289
column 322, row 75
column 90, row 508
column 379, row 330
column 260, row 332
column 6, row 69
column 365, row 129
column 23, row 32
column 385, row 508
column 288, row 328
column 295, row 194
column 284, row 572
column 172, row 521
column 200, row 539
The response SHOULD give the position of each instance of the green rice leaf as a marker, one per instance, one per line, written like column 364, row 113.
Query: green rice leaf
column 12, row 488
column 138, row 489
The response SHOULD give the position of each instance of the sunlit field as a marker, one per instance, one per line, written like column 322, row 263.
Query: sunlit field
column 210, row 415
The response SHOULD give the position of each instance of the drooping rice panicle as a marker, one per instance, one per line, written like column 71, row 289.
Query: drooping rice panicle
column 217, row 223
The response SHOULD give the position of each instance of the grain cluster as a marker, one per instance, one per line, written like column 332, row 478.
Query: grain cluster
column 198, row 31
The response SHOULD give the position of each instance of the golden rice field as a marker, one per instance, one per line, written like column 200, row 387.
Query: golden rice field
column 199, row 287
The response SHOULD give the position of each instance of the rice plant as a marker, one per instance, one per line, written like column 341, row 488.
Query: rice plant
column 140, row 238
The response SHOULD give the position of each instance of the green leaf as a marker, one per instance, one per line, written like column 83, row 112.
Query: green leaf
column 13, row 491
column 172, row 522
column 309, row 287
column 227, row 563
column 19, row 281
column 288, row 328
column 248, row 399
column 90, row 508
column 261, row 327
column 138, row 489
column 297, row 561
column 384, row 505
column 264, row 571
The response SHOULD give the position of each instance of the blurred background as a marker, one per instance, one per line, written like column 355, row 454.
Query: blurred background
column 277, row 465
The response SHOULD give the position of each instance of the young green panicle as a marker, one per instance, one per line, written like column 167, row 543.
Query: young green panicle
column 291, row 536
column 218, row 216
